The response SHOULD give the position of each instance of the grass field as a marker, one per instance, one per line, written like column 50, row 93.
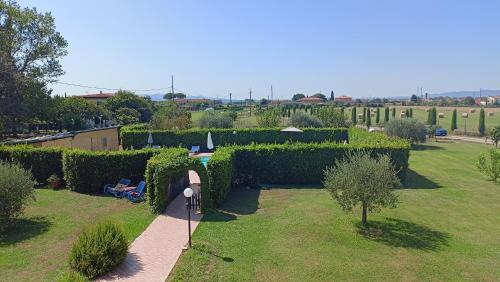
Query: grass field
column 37, row 248
column 472, row 121
column 446, row 227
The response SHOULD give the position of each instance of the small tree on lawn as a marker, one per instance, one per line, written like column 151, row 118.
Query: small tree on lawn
column 482, row 127
column 393, row 112
column 454, row 120
column 489, row 164
column 386, row 115
column 377, row 117
column 362, row 180
column 495, row 135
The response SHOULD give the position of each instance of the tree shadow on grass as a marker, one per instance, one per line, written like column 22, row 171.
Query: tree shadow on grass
column 400, row 233
column 415, row 180
column 24, row 229
column 205, row 249
column 425, row 147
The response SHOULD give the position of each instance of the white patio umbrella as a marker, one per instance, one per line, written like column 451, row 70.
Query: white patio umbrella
column 150, row 139
column 210, row 144
column 291, row 129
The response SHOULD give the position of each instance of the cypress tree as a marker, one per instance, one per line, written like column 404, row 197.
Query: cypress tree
column 289, row 112
column 386, row 114
column 407, row 113
column 354, row 117
column 482, row 127
column 364, row 115
column 393, row 112
column 368, row 118
column 454, row 120
column 377, row 117
column 411, row 112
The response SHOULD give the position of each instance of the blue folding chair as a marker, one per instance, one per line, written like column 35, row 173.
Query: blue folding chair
column 112, row 188
column 137, row 193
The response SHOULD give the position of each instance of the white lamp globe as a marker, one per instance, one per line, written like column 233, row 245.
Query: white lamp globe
column 188, row 192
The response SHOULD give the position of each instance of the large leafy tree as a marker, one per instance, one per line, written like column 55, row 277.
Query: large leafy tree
column 495, row 135
column 30, row 50
column 127, row 99
column 362, row 180
column 74, row 113
column 170, row 116
column 298, row 96
column 331, row 117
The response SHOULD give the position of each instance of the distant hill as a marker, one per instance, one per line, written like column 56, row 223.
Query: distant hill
column 462, row 94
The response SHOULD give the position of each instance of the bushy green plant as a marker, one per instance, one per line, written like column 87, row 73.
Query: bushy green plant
column 489, row 164
column 16, row 190
column 409, row 129
column 494, row 133
column 269, row 118
column 126, row 116
column 170, row 116
column 212, row 119
column 362, row 180
column 300, row 119
column 99, row 249
column 331, row 117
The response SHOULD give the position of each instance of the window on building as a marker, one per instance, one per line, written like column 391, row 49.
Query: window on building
column 104, row 142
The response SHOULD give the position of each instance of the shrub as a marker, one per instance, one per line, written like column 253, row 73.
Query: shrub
column 42, row 162
column 170, row 116
column 220, row 172
column 331, row 117
column 361, row 179
column 16, row 190
column 269, row 118
column 126, row 116
column 137, row 136
column 88, row 172
column 212, row 119
column 300, row 119
column 99, row 249
column 495, row 135
column 409, row 129
column 489, row 164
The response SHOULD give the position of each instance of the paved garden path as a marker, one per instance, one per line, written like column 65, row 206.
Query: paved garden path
column 154, row 253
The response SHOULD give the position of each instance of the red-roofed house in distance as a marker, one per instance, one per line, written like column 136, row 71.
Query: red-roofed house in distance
column 98, row 97
column 311, row 100
column 343, row 99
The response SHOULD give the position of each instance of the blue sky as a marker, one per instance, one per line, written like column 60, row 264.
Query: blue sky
column 357, row 48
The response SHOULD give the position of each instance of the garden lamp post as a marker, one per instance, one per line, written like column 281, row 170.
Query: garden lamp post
column 188, row 193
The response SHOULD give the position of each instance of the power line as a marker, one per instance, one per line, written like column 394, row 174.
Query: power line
column 107, row 88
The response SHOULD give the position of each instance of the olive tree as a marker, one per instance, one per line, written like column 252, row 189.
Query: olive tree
column 362, row 180
column 410, row 129
column 16, row 188
column 489, row 164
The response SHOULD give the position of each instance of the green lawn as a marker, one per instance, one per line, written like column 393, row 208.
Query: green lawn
column 37, row 248
column 446, row 227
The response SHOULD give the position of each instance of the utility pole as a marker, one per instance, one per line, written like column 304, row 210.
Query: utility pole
column 172, row 87
column 250, row 101
column 272, row 95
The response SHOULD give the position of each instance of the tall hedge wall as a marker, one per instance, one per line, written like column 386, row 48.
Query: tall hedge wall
column 42, row 162
column 89, row 171
column 297, row 163
column 137, row 137
column 161, row 171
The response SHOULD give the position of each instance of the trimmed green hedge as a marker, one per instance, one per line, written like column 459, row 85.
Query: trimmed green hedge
column 297, row 163
column 137, row 137
column 89, row 171
column 220, row 171
column 42, row 162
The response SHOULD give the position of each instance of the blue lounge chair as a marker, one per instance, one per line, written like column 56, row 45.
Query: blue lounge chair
column 137, row 193
column 112, row 188
column 195, row 149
